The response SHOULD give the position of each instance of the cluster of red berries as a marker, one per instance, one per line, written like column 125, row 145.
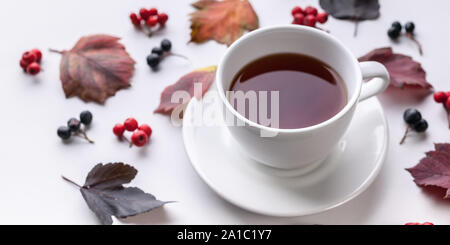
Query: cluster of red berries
column 416, row 223
column 30, row 61
column 308, row 16
column 149, row 17
column 141, row 133
column 442, row 97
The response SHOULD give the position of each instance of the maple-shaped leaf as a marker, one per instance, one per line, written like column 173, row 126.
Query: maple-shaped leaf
column 355, row 10
column 403, row 70
column 203, row 77
column 95, row 68
column 434, row 168
column 224, row 21
column 106, row 196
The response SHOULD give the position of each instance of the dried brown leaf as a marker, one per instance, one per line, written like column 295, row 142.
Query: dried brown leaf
column 95, row 68
column 403, row 70
column 204, row 77
column 434, row 168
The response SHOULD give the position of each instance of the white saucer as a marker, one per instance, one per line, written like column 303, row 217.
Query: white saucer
column 347, row 172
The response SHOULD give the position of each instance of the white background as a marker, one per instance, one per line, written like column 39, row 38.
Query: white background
column 33, row 157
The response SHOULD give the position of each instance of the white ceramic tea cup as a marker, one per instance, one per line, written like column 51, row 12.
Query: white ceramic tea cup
column 303, row 147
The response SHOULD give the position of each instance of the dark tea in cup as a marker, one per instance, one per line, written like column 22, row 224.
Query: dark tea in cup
column 310, row 91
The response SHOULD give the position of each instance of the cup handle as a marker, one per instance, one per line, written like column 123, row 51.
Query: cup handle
column 379, row 79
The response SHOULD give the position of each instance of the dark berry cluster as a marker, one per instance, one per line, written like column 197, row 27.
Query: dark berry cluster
column 30, row 61
column 159, row 53
column 395, row 31
column 443, row 98
column 141, row 133
column 148, row 18
column 308, row 16
column 415, row 122
column 74, row 127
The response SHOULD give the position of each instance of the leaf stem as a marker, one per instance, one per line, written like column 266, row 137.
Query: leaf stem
column 355, row 31
column 404, row 136
column 323, row 29
column 149, row 32
column 448, row 115
column 166, row 54
column 127, row 140
column 55, row 51
column 178, row 55
column 70, row 181
column 84, row 135
column 411, row 36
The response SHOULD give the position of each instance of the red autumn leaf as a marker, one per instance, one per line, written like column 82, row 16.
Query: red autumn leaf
column 434, row 168
column 204, row 76
column 223, row 21
column 403, row 70
column 95, row 68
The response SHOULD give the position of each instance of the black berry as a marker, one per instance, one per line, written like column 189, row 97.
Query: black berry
column 157, row 50
column 421, row 126
column 397, row 26
column 64, row 132
column 415, row 122
column 166, row 45
column 153, row 60
column 412, row 116
column 74, row 124
column 86, row 117
column 393, row 33
column 409, row 27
